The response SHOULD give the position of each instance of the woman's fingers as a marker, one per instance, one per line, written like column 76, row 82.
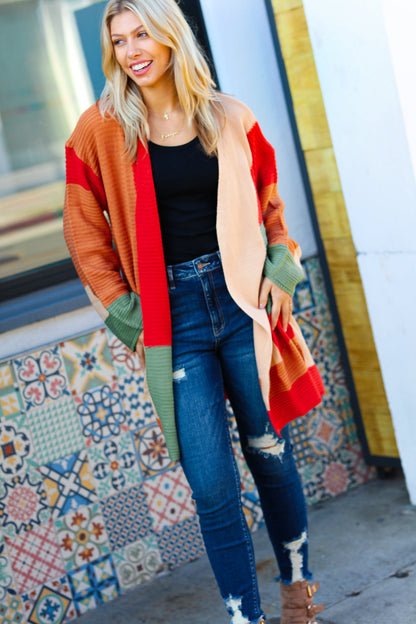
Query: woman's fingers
column 276, row 308
column 286, row 310
column 265, row 288
column 140, row 350
column 281, row 302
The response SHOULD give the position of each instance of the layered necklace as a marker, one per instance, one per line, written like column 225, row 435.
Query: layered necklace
column 166, row 116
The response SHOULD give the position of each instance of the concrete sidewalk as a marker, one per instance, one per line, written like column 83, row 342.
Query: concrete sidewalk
column 363, row 552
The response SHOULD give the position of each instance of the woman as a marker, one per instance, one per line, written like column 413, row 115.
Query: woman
column 176, row 229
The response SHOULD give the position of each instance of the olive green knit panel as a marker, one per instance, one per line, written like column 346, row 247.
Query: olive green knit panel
column 282, row 269
column 159, row 381
column 125, row 319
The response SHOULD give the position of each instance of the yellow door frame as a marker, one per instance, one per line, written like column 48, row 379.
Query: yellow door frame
column 295, row 55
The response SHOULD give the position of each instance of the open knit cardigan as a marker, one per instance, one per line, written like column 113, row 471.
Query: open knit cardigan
column 112, row 230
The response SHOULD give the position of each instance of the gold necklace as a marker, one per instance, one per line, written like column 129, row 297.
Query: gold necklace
column 164, row 115
column 169, row 135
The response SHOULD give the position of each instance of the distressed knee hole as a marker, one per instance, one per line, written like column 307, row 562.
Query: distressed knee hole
column 296, row 556
column 268, row 445
column 179, row 375
column 235, row 609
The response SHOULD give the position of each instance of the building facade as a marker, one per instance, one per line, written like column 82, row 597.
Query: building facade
column 90, row 504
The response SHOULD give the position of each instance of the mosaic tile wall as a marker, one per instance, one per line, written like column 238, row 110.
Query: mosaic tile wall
column 91, row 505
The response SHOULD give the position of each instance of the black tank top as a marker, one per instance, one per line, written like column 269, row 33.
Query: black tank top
column 186, row 185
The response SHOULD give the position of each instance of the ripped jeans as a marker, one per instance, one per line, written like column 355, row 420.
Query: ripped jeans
column 213, row 353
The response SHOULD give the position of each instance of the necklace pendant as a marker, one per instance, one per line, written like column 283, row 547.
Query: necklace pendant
column 169, row 135
column 166, row 116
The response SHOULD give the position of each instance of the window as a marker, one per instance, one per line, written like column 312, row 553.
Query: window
column 44, row 86
column 52, row 74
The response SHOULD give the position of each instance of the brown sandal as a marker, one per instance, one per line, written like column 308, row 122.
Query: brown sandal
column 297, row 603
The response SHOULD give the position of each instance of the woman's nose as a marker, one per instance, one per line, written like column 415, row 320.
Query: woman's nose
column 133, row 50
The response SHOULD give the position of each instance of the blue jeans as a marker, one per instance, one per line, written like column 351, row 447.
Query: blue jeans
column 213, row 354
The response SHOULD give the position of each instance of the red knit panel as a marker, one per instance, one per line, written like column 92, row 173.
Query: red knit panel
column 152, row 273
column 80, row 173
column 291, row 365
column 304, row 395
column 263, row 168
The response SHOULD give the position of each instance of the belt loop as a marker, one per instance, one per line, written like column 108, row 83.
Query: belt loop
column 171, row 280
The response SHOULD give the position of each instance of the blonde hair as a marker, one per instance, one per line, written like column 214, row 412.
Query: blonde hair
column 121, row 97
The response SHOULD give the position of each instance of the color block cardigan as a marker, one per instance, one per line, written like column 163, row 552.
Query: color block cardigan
column 112, row 230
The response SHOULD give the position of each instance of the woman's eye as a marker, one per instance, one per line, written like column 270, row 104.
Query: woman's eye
column 117, row 42
column 142, row 34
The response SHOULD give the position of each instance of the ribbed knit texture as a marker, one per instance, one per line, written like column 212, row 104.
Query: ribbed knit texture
column 125, row 318
column 113, row 233
column 280, row 267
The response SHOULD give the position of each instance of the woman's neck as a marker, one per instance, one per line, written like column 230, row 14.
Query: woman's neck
column 160, row 100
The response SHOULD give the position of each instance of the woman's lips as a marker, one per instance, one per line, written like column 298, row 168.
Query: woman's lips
column 141, row 68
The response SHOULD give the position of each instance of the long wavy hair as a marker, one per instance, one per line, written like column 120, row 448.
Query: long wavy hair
column 121, row 97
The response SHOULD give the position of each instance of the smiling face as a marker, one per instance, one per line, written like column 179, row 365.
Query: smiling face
column 142, row 58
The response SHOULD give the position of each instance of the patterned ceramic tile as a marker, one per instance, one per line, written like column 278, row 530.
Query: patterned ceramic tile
column 316, row 280
column 325, row 430
column 333, row 376
column 136, row 401
column 6, row 377
column 302, row 450
column 12, row 611
column 10, row 403
column 88, row 362
column 82, row 536
column 351, row 434
column 152, row 451
column 310, row 332
column 124, row 360
column 137, row 563
column 311, row 476
column 56, row 431
column 16, row 448
column 41, row 377
column 352, row 458
column 126, row 517
column 10, row 399
column 50, row 603
column 68, row 483
column 7, row 585
column 325, row 348
column 113, row 465
column 169, row 499
column 329, row 476
column 101, row 414
column 304, row 296
column 335, row 478
column 23, row 504
column 35, row 557
column 181, row 542
column 94, row 584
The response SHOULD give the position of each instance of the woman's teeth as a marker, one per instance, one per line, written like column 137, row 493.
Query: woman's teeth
column 140, row 66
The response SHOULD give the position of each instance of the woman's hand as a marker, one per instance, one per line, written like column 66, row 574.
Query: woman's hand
column 140, row 350
column 281, row 302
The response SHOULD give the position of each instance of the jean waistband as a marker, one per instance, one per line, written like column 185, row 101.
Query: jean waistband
column 197, row 266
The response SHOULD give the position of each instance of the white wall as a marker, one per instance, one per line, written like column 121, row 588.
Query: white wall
column 245, row 60
column 365, row 71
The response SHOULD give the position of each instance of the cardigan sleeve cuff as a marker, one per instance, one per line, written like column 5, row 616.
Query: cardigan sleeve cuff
column 282, row 269
column 125, row 319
